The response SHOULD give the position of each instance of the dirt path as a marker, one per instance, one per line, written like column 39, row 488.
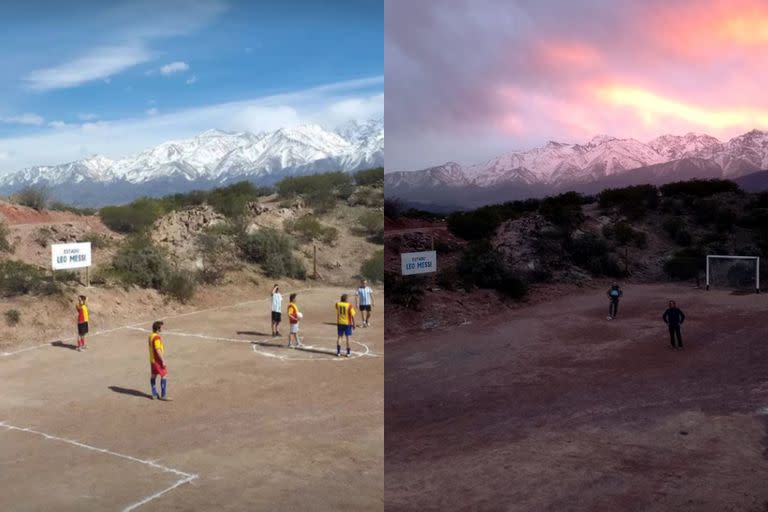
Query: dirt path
column 251, row 427
column 554, row 408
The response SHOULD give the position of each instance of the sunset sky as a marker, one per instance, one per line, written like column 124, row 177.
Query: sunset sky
column 469, row 80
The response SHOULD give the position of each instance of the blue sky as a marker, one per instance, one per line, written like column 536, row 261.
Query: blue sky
column 116, row 77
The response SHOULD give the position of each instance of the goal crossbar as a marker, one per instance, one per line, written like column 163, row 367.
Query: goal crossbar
column 727, row 257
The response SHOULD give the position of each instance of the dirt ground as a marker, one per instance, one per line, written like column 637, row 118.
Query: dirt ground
column 554, row 408
column 252, row 426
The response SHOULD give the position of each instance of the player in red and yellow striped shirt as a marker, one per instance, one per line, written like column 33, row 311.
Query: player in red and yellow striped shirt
column 157, row 364
column 82, row 322
column 345, row 322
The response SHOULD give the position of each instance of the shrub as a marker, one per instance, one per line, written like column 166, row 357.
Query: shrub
column 273, row 251
column 97, row 240
column 367, row 196
column 63, row 207
column 474, row 225
column 699, row 188
column 403, row 290
column 372, row 224
column 141, row 263
column 33, row 197
column 132, row 218
column 231, row 201
column 320, row 191
column 309, row 228
column 373, row 268
column 685, row 264
column 5, row 232
column 392, row 208
column 42, row 236
column 180, row 286
column 564, row 210
column 634, row 201
column 214, row 248
column 18, row 278
column 624, row 235
column 370, row 177
column 673, row 225
column 12, row 317
column 591, row 253
column 483, row 266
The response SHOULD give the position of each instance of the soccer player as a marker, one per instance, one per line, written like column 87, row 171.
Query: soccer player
column 157, row 362
column 82, row 323
column 277, row 307
column 345, row 322
column 364, row 302
column 614, row 293
column 674, row 318
column 293, row 318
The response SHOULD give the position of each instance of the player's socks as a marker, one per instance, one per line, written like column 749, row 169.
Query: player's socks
column 163, row 385
column 338, row 350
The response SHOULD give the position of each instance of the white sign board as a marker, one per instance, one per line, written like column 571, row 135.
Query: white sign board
column 418, row 262
column 69, row 256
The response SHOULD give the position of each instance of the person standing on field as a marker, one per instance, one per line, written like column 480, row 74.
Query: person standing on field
column 345, row 323
column 293, row 317
column 364, row 302
column 674, row 318
column 157, row 364
column 614, row 294
column 82, row 322
column 277, row 307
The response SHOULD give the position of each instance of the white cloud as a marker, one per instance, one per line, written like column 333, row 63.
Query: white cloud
column 87, row 116
column 191, row 79
column 151, row 111
column 58, row 124
column 26, row 118
column 97, row 64
column 330, row 105
column 4, row 155
column 174, row 67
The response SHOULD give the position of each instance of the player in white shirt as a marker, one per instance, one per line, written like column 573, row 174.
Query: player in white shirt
column 364, row 301
column 277, row 307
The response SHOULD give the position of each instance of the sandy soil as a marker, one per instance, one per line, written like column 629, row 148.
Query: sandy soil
column 263, row 429
column 554, row 408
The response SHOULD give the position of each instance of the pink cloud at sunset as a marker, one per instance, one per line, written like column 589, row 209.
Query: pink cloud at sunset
column 484, row 78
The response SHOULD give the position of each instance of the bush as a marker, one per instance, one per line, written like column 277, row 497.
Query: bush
column 180, row 286
column 42, row 236
column 142, row 264
column 309, row 228
column 634, row 201
column 392, row 208
column 214, row 248
column 33, row 197
column 685, row 264
column 673, row 225
column 367, row 196
column 320, row 191
column 372, row 224
column 97, row 240
column 5, row 232
column 63, row 207
column 591, row 253
column 132, row 218
column 18, row 278
column 564, row 210
column 12, row 317
column 474, row 225
column 624, row 235
column 403, row 290
column 483, row 266
column 699, row 188
column 370, row 177
column 373, row 268
column 231, row 201
column 274, row 252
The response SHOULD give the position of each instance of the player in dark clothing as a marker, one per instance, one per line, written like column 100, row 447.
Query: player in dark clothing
column 674, row 318
column 614, row 293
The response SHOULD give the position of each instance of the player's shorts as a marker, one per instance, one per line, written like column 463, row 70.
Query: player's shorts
column 345, row 330
column 365, row 308
column 156, row 369
column 276, row 316
column 294, row 328
column 82, row 329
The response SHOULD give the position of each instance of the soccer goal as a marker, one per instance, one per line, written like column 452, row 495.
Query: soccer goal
column 739, row 272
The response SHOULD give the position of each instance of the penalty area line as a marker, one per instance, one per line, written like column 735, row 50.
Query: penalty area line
column 185, row 478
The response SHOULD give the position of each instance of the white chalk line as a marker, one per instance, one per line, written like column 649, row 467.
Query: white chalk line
column 107, row 331
column 185, row 477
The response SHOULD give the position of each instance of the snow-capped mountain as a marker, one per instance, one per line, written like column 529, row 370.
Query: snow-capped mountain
column 604, row 160
column 212, row 158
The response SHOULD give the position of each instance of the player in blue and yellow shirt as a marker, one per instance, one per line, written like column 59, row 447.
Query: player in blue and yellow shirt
column 345, row 322
column 157, row 364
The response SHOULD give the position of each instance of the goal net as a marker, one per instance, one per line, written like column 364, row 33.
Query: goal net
column 734, row 272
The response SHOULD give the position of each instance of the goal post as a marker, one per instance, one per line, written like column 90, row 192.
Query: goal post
column 733, row 271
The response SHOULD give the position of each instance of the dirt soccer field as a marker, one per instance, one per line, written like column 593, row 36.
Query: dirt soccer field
column 250, row 427
column 554, row 408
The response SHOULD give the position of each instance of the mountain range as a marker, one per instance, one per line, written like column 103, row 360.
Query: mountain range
column 213, row 158
column 600, row 163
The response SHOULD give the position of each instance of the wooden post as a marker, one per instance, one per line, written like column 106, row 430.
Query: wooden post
column 314, row 261
column 87, row 278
